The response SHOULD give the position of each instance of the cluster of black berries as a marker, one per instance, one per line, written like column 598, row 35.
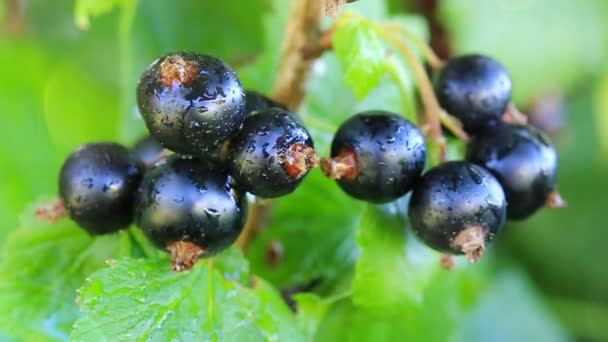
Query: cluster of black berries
column 226, row 142
column 456, row 207
column 211, row 142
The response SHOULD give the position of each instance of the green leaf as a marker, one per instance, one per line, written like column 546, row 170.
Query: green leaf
column 314, row 227
column 145, row 300
column 522, row 315
column 90, row 8
column 360, row 51
column 390, row 274
column 75, row 103
column 601, row 116
column 311, row 309
column 41, row 268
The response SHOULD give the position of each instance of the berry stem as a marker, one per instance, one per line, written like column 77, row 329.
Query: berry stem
column 52, row 212
column 430, row 103
column 513, row 116
column 434, row 61
column 303, row 28
column 472, row 242
column 184, row 254
column 342, row 166
column 324, row 43
column 555, row 201
column 14, row 18
column 454, row 126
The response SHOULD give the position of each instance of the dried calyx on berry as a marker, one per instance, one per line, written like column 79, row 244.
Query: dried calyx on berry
column 191, row 103
column 377, row 156
column 271, row 154
column 457, row 208
column 189, row 208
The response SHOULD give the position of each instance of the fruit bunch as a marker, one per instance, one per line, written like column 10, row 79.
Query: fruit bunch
column 211, row 142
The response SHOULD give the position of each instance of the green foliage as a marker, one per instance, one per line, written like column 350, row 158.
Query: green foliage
column 146, row 300
column 386, row 265
column 360, row 51
column 62, row 86
column 533, row 49
column 41, row 268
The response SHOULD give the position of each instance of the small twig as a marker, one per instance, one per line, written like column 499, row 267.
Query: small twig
column 513, row 116
column 430, row 103
column 454, row 126
column 14, row 19
column 434, row 61
column 52, row 212
column 323, row 44
column 555, row 201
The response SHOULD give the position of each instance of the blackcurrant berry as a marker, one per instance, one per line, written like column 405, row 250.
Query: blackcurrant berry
column 524, row 162
column 458, row 207
column 189, row 208
column 271, row 154
column 147, row 151
column 97, row 186
column 476, row 89
column 377, row 156
column 257, row 102
column 191, row 103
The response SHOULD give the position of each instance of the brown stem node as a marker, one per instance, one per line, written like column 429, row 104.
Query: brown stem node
column 299, row 159
column 555, row 201
column 472, row 242
column 343, row 166
column 447, row 262
column 52, row 212
column 316, row 49
column 184, row 254
column 513, row 116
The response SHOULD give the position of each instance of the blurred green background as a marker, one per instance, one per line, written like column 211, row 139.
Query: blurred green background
column 68, row 71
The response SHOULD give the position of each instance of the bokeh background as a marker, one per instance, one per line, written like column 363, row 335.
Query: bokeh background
column 68, row 71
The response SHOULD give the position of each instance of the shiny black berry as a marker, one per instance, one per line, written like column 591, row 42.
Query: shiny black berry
column 191, row 103
column 524, row 162
column 271, row 154
column 476, row 89
column 377, row 156
column 97, row 186
column 147, row 151
column 257, row 102
column 189, row 208
column 458, row 207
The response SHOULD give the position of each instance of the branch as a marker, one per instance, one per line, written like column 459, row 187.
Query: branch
column 430, row 103
column 304, row 26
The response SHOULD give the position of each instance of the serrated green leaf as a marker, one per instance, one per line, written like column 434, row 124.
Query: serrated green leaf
column 360, row 51
column 41, row 268
column 390, row 274
column 314, row 226
column 145, row 300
